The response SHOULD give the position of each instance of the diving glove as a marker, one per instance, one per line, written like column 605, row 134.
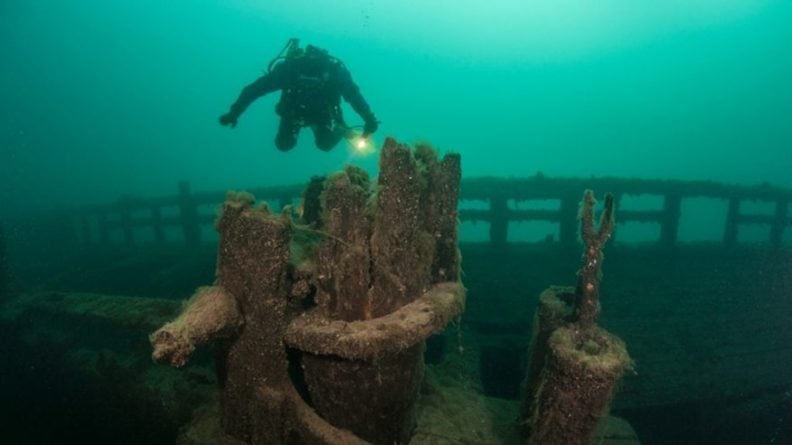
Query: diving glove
column 228, row 119
column 370, row 127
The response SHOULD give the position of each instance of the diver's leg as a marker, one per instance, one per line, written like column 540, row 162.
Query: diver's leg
column 287, row 134
column 327, row 136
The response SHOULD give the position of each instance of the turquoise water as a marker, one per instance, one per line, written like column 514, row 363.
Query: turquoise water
column 103, row 98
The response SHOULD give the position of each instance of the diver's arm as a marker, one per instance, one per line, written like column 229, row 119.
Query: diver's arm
column 351, row 93
column 263, row 85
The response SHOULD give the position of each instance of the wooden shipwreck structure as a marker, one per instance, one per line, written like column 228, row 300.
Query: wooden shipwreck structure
column 319, row 324
column 298, row 294
column 574, row 364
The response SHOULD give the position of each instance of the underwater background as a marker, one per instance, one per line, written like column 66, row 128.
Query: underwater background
column 103, row 99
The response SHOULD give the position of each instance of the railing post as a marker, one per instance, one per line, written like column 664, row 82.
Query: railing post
column 669, row 226
column 732, row 216
column 568, row 220
column 617, row 198
column 189, row 215
column 780, row 222
column 499, row 220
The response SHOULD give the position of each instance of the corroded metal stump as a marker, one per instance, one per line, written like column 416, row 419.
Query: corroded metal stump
column 574, row 364
column 336, row 307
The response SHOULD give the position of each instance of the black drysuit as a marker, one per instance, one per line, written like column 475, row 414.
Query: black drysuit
column 312, row 86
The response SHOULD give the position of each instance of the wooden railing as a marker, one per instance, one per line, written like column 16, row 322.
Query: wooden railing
column 95, row 224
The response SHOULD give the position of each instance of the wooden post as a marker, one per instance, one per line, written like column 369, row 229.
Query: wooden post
column 382, row 252
column 574, row 364
column 499, row 220
column 445, row 229
column 780, row 222
column 252, row 265
column 189, row 215
column 669, row 225
column 616, row 206
column 730, row 232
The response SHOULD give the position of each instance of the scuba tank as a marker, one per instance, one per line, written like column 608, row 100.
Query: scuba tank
column 291, row 49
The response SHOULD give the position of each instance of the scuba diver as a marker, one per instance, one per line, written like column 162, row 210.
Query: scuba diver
column 312, row 83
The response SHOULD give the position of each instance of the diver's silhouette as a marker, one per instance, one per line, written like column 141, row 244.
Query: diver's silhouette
column 312, row 84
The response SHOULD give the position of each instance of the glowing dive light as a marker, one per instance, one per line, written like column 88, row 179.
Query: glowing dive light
column 361, row 145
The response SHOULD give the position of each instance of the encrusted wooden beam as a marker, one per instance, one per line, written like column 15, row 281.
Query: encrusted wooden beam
column 211, row 313
column 389, row 334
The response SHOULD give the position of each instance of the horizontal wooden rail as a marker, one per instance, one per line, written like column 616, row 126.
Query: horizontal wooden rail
column 184, row 210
